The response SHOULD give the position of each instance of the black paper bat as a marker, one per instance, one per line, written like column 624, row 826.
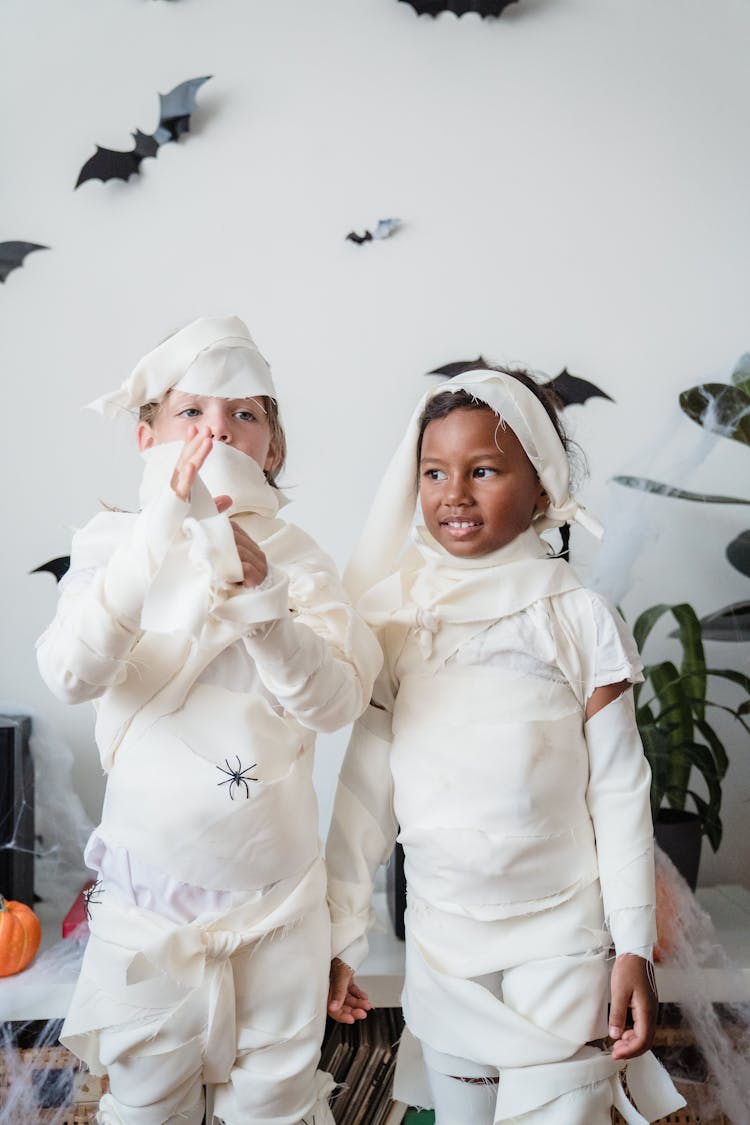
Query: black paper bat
column 12, row 255
column 384, row 229
column 59, row 567
column 452, row 370
column 460, row 7
column 571, row 389
column 176, row 108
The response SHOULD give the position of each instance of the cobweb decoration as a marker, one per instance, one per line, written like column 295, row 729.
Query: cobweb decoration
column 61, row 823
column 723, row 1042
column 36, row 1075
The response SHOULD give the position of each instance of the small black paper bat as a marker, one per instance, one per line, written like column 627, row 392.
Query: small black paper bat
column 452, row 370
column 384, row 229
column 59, row 567
column 176, row 108
column 460, row 7
column 569, row 389
column 12, row 255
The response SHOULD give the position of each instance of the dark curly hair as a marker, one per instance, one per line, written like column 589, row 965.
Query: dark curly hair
column 440, row 406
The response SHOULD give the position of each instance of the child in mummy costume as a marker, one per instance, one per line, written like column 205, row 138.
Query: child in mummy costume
column 501, row 747
column 215, row 639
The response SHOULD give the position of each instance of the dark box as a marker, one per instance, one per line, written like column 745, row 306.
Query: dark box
column 16, row 810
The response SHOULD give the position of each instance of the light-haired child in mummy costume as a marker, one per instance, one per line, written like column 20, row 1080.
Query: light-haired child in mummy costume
column 216, row 639
column 501, row 748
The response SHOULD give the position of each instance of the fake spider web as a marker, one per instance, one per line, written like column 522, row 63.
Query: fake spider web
column 721, row 1031
column 36, row 1075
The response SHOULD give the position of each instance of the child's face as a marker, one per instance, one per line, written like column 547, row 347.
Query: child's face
column 475, row 496
column 240, row 422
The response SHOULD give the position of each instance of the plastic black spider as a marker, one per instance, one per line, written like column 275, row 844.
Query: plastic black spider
column 236, row 777
column 90, row 897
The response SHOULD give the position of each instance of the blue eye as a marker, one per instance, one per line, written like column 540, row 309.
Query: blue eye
column 244, row 415
column 189, row 412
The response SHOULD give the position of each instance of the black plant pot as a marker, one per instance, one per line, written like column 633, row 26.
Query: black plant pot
column 678, row 833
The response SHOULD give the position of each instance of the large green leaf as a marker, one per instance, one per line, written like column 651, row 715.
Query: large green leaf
column 658, row 752
column 644, row 484
column 693, row 666
column 717, row 747
column 720, row 408
column 646, row 621
column 738, row 553
column 732, row 623
column 670, row 691
column 710, row 820
column 732, row 675
column 741, row 373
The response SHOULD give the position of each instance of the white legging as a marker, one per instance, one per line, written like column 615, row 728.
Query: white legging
column 462, row 1103
column 473, row 1103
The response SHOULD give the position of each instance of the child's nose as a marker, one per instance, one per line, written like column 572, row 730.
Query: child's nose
column 220, row 428
column 457, row 491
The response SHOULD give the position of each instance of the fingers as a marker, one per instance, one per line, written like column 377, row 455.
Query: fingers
column 254, row 562
column 222, row 503
column 632, row 988
column 346, row 1001
column 197, row 446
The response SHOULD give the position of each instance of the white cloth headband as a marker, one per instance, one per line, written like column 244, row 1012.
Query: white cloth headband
column 379, row 547
column 212, row 356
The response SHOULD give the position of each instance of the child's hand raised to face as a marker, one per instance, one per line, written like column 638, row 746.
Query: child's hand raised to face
column 198, row 445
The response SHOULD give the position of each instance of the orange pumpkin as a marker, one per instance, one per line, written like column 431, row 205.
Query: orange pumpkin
column 20, row 935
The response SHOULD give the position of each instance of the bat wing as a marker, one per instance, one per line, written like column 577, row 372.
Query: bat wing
column 451, row 370
column 58, row 567
column 571, row 389
column 110, row 164
column 386, row 227
column 175, row 109
column 12, row 255
column 352, row 236
column 460, row 7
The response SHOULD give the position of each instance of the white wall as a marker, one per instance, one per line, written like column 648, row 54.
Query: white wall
column 573, row 180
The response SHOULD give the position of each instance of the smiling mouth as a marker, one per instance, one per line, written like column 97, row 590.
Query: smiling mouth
column 461, row 527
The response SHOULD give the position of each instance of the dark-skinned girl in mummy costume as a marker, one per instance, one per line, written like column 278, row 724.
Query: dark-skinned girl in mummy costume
column 501, row 749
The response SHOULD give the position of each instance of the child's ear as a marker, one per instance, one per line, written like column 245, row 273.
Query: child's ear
column 144, row 436
column 542, row 503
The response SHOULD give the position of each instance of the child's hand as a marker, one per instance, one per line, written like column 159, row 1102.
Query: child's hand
column 346, row 1002
column 198, row 445
column 632, row 987
column 254, row 562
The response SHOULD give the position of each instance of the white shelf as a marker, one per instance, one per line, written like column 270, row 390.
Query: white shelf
column 39, row 993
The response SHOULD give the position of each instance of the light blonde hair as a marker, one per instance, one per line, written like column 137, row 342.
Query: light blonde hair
column 149, row 411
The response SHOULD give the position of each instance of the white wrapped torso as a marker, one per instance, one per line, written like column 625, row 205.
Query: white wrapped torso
column 491, row 804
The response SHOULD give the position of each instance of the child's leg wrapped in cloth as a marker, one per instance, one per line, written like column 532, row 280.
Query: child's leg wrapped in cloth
column 530, row 1024
column 236, row 1003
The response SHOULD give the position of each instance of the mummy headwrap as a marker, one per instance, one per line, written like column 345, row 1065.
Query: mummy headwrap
column 378, row 550
column 212, row 356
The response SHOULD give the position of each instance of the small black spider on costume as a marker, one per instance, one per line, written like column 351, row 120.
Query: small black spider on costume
column 90, row 897
column 236, row 777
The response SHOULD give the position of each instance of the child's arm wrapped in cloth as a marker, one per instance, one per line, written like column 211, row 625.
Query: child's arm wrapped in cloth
column 618, row 801
column 361, row 838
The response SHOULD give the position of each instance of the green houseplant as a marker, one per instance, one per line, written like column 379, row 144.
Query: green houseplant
column 674, row 714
